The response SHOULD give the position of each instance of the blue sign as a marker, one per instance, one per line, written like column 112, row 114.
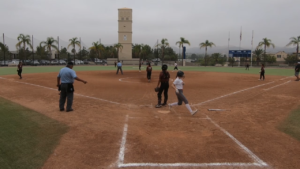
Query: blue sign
column 184, row 49
column 239, row 53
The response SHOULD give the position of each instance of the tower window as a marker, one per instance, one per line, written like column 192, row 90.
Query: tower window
column 122, row 18
column 127, row 19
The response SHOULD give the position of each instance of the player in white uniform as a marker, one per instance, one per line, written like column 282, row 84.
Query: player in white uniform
column 175, row 66
column 178, row 86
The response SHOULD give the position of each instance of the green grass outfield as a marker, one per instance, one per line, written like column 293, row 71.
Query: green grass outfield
column 46, row 69
column 291, row 125
column 27, row 138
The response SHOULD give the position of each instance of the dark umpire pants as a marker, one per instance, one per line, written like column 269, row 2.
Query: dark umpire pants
column 64, row 94
column 164, row 87
column 149, row 75
column 119, row 68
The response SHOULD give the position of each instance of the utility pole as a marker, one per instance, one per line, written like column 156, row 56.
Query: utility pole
column 58, row 49
column 4, row 49
column 32, row 51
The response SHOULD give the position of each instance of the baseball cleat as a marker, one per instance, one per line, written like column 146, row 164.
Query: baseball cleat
column 194, row 112
column 170, row 106
column 158, row 106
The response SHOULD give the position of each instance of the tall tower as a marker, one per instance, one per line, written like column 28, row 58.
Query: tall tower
column 125, row 33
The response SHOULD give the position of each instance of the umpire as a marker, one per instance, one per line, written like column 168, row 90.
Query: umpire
column 65, row 80
column 119, row 64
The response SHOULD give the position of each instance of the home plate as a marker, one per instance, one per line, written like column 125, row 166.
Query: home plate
column 163, row 112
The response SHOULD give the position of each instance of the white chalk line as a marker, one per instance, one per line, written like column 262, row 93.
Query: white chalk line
column 187, row 164
column 124, row 79
column 258, row 162
column 231, row 94
column 286, row 78
column 123, row 142
column 79, row 94
column 246, row 150
column 278, row 85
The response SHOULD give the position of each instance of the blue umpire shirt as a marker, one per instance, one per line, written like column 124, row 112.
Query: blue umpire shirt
column 119, row 64
column 67, row 75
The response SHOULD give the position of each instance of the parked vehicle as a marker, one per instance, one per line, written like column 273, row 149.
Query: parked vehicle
column 35, row 62
column 54, row 62
column 14, row 62
column 4, row 63
column 62, row 62
column 156, row 60
column 44, row 62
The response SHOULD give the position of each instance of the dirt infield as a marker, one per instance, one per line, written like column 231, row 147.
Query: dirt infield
column 114, row 123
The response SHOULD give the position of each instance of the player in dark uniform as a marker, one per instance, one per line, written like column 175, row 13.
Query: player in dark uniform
column 164, row 77
column 140, row 64
column 297, row 69
column 20, row 65
column 247, row 66
column 149, row 71
column 262, row 72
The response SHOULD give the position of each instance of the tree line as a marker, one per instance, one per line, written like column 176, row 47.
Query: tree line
column 161, row 50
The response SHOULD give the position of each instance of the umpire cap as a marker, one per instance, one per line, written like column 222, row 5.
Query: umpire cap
column 164, row 67
column 180, row 73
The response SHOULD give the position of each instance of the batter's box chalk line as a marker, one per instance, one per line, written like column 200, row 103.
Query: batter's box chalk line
column 257, row 161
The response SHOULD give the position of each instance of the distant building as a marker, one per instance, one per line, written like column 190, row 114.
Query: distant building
column 280, row 56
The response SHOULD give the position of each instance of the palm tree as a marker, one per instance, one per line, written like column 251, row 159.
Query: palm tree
column 4, row 49
column 295, row 41
column 137, row 50
column 258, row 53
column 266, row 43
column 112, row 51
column 97, row 48
column 119, row 47
column 23, row 40
column 163, row 45
column 74, row 42
column 181, row 43
column 49, row 43
column 205, row 45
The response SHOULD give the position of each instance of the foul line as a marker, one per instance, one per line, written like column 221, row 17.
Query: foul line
column 77, row 94
column 252, row 155
column 231, row 94
column 277, row 85
column 122, row 149
column 257, row 161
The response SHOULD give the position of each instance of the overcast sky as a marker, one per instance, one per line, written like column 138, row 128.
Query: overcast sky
column 195, row 20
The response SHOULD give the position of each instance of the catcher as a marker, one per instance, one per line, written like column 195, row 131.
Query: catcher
column 164, row 77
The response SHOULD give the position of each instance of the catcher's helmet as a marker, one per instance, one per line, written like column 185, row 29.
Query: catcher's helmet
column 164, row 67
column 180, row 73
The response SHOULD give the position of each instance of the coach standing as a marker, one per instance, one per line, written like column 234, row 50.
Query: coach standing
column 65, row 80
column 119, row 65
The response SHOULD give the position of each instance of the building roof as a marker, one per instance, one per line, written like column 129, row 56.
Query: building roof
column 124, row 8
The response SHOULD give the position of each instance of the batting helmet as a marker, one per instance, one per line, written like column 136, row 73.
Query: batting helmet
column 164, row 67
column 180, row 73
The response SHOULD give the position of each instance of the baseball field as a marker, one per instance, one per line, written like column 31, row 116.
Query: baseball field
column 115, row 123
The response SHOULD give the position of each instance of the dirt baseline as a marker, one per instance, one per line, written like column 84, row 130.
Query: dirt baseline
column 102, row 105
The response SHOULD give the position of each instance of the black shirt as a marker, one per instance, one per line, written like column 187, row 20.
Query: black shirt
column 297, row 68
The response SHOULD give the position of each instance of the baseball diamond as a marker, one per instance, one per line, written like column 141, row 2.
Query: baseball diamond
column 116, row 125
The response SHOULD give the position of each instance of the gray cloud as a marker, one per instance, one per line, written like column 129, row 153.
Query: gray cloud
column 196, row 20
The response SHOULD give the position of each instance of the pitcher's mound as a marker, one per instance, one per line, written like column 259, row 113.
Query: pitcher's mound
column 163, row 112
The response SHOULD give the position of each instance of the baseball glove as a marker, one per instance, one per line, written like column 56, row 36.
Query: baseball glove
column 156, row 89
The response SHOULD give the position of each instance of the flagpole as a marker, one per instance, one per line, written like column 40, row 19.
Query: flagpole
column 252, row 47
column 32, row 51
column 4, row 50
column 228, row 45
column 240, row 46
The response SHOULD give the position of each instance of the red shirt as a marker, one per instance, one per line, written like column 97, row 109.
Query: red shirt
column 164, row 77
column 149, row 69
column 20, row 67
